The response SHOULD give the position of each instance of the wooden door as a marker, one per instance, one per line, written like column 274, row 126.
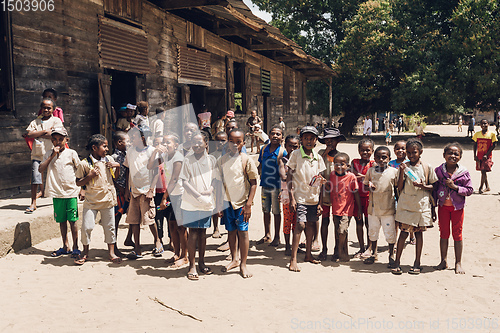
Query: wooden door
column 105, row 112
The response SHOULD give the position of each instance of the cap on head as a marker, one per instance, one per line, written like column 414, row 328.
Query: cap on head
column 331, row 133
column 309, row 129
column 131, row 106
column 59, row 130
column 230, row 113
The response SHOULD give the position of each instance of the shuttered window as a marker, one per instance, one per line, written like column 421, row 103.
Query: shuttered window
column 193, row 66
column 122, row 47
column 265, row 81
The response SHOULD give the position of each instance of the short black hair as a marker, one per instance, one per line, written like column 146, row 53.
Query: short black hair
column 95, row 140
column 414, row 142
column 276, row 126
column 382, row 148
column 46, row 99
column 205, row 136
column 219, row 134
column 453, row 144
column 366, row 140
column 236, row 130
column 292, row 137
column 344, row 156
column 120, row 135
column 50, row 90
column 173, row 135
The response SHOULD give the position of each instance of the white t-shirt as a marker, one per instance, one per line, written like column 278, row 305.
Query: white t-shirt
column 199, row 173
column 41, row 145
column 158, row 128
column 169, row 167
column 304, row 169
column 382, row 201
column 367, row 129
column 61, row 174
column 261, row 135
column 140, row 178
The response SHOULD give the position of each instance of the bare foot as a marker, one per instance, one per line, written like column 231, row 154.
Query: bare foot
column 179, row 263
column 459, row 269
column 244, row 272
column 275, row 242
column 294, row 267
column 224, row 247
column 192, row 274
column 115, row 260
column 39, row 195
column 322, row 255
column 312, row 260
column 216, row 234
column 171, row 260
column 315, row 247
column 486, row 189
column 231, row 265
column 442, row 265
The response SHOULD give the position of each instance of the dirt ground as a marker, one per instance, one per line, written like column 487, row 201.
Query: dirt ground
column 42, row 294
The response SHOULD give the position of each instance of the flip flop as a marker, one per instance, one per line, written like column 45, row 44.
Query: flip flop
column 133, row 256
column 59, row 252
column 391, row 264
column 158, row 252
column 29, row 210
column 369, row 261
column 262, row 241
column 75, row 254
column 117, row 260
column 193, row 276
column 81, row 260
column 415, row 270
column 206, row 271
column 397, row 271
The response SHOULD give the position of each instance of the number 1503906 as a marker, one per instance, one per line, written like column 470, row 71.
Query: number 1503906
column 27, row 5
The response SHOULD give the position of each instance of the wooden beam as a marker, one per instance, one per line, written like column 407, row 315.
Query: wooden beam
column 305, row 66
column 268, row 47
column 286, row 59
column 186, row 4
column 235, row 32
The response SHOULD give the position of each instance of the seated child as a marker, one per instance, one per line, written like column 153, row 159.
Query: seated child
column 343, row 196
column 96, row 173
column 238, row 174
column 61, row 164
column 380, row 180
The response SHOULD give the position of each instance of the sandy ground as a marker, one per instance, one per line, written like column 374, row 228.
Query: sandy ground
column 42, row 294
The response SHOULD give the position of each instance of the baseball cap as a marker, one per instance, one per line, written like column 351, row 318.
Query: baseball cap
column 59, row 130
column 309, row 129
column 230, row 113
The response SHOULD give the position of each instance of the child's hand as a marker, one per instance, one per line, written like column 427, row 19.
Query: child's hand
column 150, row 194
column 93, row 173
column 163, row 204
column 476, row 159
column 56, row 150
column 402, row 167
column 247, row 212
column 208, row 192
column 161, row 149
column 220, row 214
column 112, row 164
column 319, row 210
column 372, row 186
column 81, row 195
column 451, row 184
column 360, row 212
column 204, row 199
column 293, row 205
column 433, row 214
column 323, row 180
column 418, row 184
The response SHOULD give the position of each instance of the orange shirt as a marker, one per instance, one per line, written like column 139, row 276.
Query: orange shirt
column 342, row 193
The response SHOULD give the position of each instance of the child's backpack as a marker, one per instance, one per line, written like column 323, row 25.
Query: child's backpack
column 91, row 164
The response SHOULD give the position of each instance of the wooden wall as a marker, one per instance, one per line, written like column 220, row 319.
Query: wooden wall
column 59, row 49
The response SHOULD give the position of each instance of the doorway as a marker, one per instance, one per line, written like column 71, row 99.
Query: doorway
column 123, row 88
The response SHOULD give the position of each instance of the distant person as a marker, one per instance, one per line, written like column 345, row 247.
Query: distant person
column 39, row 130
column 419, row 131
column 375, row 128
column 159, row 123
column 142, row 115
column 470, row 128
column 204, row 120
column 460, row 122
column 484, row 143
column 251, row 122
column 282, row 125
column 367, row 127
column 400, row 124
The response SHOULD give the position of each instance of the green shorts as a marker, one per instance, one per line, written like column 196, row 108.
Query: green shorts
column 65, row 209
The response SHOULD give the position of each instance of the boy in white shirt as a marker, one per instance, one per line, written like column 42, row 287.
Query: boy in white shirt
column 61, row 164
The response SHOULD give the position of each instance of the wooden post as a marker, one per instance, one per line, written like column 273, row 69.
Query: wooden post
column 330, row 95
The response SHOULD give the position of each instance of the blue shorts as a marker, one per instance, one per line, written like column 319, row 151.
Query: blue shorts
column 233, row 218
column 196, row 219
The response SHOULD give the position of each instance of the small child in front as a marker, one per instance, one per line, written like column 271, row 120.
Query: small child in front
column 360, row 167
column 238, row 174
column 380, row 180
column 198, row 201
column 414, row 211
column 61, row 164
column 96, row 173
column 453, row 185
column 484, row 143
column 345, row 200
column 304, row 187
column 220, row 142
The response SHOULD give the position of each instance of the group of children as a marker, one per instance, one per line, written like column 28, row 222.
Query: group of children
column 190, row 187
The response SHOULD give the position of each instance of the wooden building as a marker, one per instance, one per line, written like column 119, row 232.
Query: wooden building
column 100, row 54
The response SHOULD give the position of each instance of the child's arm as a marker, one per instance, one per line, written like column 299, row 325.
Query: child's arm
column 172, row 183
column 155, row 161
column 320, row 204
column 247, row 209
column 474, row 148
column 293, row 203
column 401, row 177
column 281, row 170
column 46, row 134
column 464, row 189
column 493, row 145
column 358, row 203
column 45, row 164
column 85, row 180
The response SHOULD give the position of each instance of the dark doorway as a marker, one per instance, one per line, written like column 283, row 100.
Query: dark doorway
column 197, row 97
column 239, row 85
column 216, row 103
column 123, row 88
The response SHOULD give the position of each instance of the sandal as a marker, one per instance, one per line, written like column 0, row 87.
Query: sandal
column 132, row 256
column 397, row 271
column 29, row 210
column 158, row 252
column 369, row 261
column 75, row 254
column 59, row 252
column 415, row 270
column 193, row 276
column 81, row 260
column 206, row 270
column 116, row 260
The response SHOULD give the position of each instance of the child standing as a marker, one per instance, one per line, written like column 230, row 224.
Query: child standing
column 96, row 173
column 238, row 174
column 120, row 140
column 484, row 143
column 414, row 211
column 161, row 188
column 220, row 142
column 345, row 200
column 388, row 136
column 304, row 186
column 40, row 130
column 142, row 189
column 289, row 217
column 380, row 180
column 178, row 233
column 198, row 202
column 453, row 185
column 271, row 184
column 61, row 164
column 419, row 131
column 359, row 167
column 190, row 130
column 331, row 137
